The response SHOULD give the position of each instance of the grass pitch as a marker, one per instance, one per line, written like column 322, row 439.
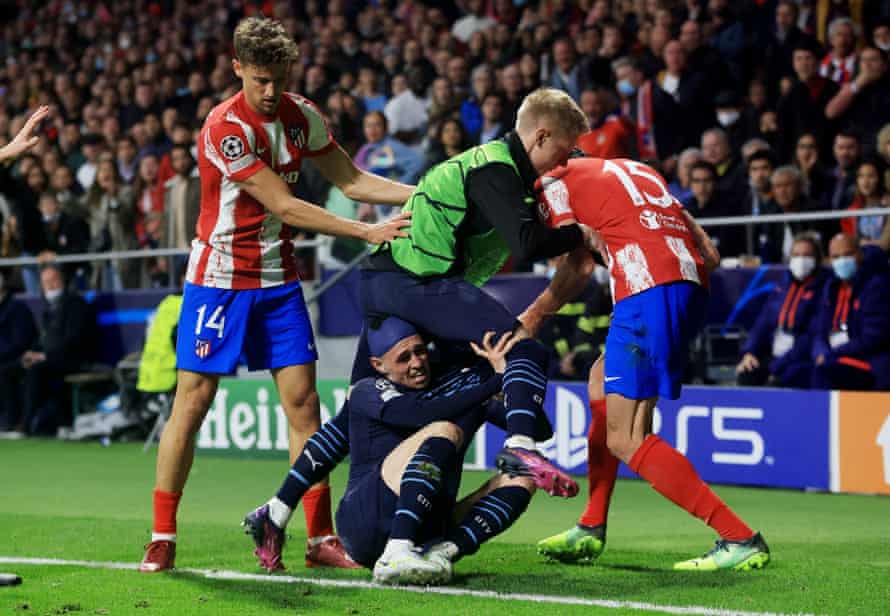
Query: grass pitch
column 831, row 553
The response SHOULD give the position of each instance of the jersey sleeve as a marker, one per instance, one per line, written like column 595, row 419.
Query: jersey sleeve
column 320, row 140
column 554, row 209
column 228, row 149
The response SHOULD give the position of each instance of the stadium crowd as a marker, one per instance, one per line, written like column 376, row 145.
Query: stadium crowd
column 748, row 107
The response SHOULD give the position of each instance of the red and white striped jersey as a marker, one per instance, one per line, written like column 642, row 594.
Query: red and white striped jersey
column 239, row 244
column 629, row 204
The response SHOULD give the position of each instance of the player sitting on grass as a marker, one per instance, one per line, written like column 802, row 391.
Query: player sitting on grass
column 407, row 434
column 658, row 259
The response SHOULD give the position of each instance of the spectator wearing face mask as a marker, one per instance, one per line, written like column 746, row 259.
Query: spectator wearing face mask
column 851, row 336
column 777, row 350
column 729, row 113
column 64, row 331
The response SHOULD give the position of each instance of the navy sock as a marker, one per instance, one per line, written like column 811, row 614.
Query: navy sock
column 421, row 482
column 490, row 516
column 323, row 451
column 525, row 382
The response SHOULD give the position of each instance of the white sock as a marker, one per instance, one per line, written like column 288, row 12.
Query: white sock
column 397, row 546
column 317, row 540
column 163, row 537
column 521, row 441
column 279, row 512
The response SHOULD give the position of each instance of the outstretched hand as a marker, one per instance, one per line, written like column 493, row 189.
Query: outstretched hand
column 26, row 139
column 496, row 354
column 388, row 230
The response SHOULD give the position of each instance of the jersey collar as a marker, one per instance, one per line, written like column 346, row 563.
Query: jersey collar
column 520, row 157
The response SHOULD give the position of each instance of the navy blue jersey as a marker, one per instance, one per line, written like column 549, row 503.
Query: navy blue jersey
column 382, row 414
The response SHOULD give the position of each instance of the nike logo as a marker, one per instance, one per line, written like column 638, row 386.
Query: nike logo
column 609, row 379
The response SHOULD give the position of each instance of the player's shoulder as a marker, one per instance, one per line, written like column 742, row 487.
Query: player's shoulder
column 297, row 105
column 224, row 113
column 375, row 390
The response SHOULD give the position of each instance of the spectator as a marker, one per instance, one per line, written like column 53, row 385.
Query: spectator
column 691, row 90
column 680, row 187
column 64, row 332
column 22, row 232
column 443, row 104
column 869, row 193
column 473, row 21
column 406, row 114
column 493, row 126
column 126, row 158
column 806, row 159
column 728, row 106
column 566, row 74
column 702, row 59
column 731, row 172
column 842, row 176
column 708, row 201
column 801, row 110
column 778, row 348
column 112, row 226
column 611, row 135
column 861, row 104
column 840, row 62
column 648, row 107
column 788, row 198
column 851, row 341
column 787, row 37
column 513, row 90
column 757, row 201
column 482, row 82
column 728, row 38
column 368, row 91
column 92, row 146
column 450, row 139
column 63, row 234
column 385, row 155
column 182, row 198
column 17, row 334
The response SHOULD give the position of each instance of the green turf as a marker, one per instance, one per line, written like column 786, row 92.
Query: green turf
column 81, row 501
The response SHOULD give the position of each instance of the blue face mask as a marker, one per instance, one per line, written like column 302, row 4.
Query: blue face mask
column 626, row 88
column 844, row 267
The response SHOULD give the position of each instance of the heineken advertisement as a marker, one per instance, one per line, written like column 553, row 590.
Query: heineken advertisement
column 246, row 419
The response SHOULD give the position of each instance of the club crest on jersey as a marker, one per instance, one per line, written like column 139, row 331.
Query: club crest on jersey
column 202, row 348
column 297, row 136
column 231, row 146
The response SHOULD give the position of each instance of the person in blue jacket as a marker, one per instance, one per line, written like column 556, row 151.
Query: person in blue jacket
column 777, row 350
column 851, row 335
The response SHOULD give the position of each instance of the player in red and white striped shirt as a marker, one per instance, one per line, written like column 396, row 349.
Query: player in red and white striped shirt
column 658, row 259
column 243, row 294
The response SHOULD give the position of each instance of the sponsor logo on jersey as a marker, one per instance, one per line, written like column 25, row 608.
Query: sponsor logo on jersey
column 231, row 147
column 649, row 219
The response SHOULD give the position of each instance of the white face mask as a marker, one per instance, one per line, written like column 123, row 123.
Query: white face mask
column 801, row 267
column 727, row 118
column 53, row 295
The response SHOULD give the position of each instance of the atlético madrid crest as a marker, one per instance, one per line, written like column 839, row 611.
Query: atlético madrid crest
column 202, row 348
column 297, row 136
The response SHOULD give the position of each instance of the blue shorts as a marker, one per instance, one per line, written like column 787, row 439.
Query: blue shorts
column 269, row 326
column 365, row 513
column 647, row 346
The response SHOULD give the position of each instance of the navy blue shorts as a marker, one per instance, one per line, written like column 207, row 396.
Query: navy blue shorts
column 365, row 513
column 445, row 308
column 270, row 327
column 647, row 347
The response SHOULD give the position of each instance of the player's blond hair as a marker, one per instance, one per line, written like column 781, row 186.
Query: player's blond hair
column 556, row 106
column 263, row 42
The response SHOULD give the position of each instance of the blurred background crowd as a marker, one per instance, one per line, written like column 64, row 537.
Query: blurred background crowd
column 748, row 107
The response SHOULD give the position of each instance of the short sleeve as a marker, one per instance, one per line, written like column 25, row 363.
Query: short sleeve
column 228, row 149
column 554, row 209
column 319, row 140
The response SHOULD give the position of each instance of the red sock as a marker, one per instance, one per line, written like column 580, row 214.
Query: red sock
column 672, row 476
column 602, row 468
column 317, row 508
column 165, row 505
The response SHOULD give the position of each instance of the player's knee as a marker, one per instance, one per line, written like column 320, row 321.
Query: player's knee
column 448, row 430
column 302, row 402
column 191, row 405
column 621, row 444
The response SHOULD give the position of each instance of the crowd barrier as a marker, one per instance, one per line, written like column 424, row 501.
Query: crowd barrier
column 810, row 440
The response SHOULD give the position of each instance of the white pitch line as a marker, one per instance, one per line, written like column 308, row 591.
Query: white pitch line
column 438, row 590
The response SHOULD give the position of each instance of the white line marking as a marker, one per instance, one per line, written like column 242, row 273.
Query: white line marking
column 439, row 590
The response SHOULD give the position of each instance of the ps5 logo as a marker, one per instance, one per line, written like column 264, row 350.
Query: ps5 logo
column 568, row 446
column 719, row 416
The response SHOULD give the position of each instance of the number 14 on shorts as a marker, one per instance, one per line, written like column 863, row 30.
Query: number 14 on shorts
column 216, row 321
